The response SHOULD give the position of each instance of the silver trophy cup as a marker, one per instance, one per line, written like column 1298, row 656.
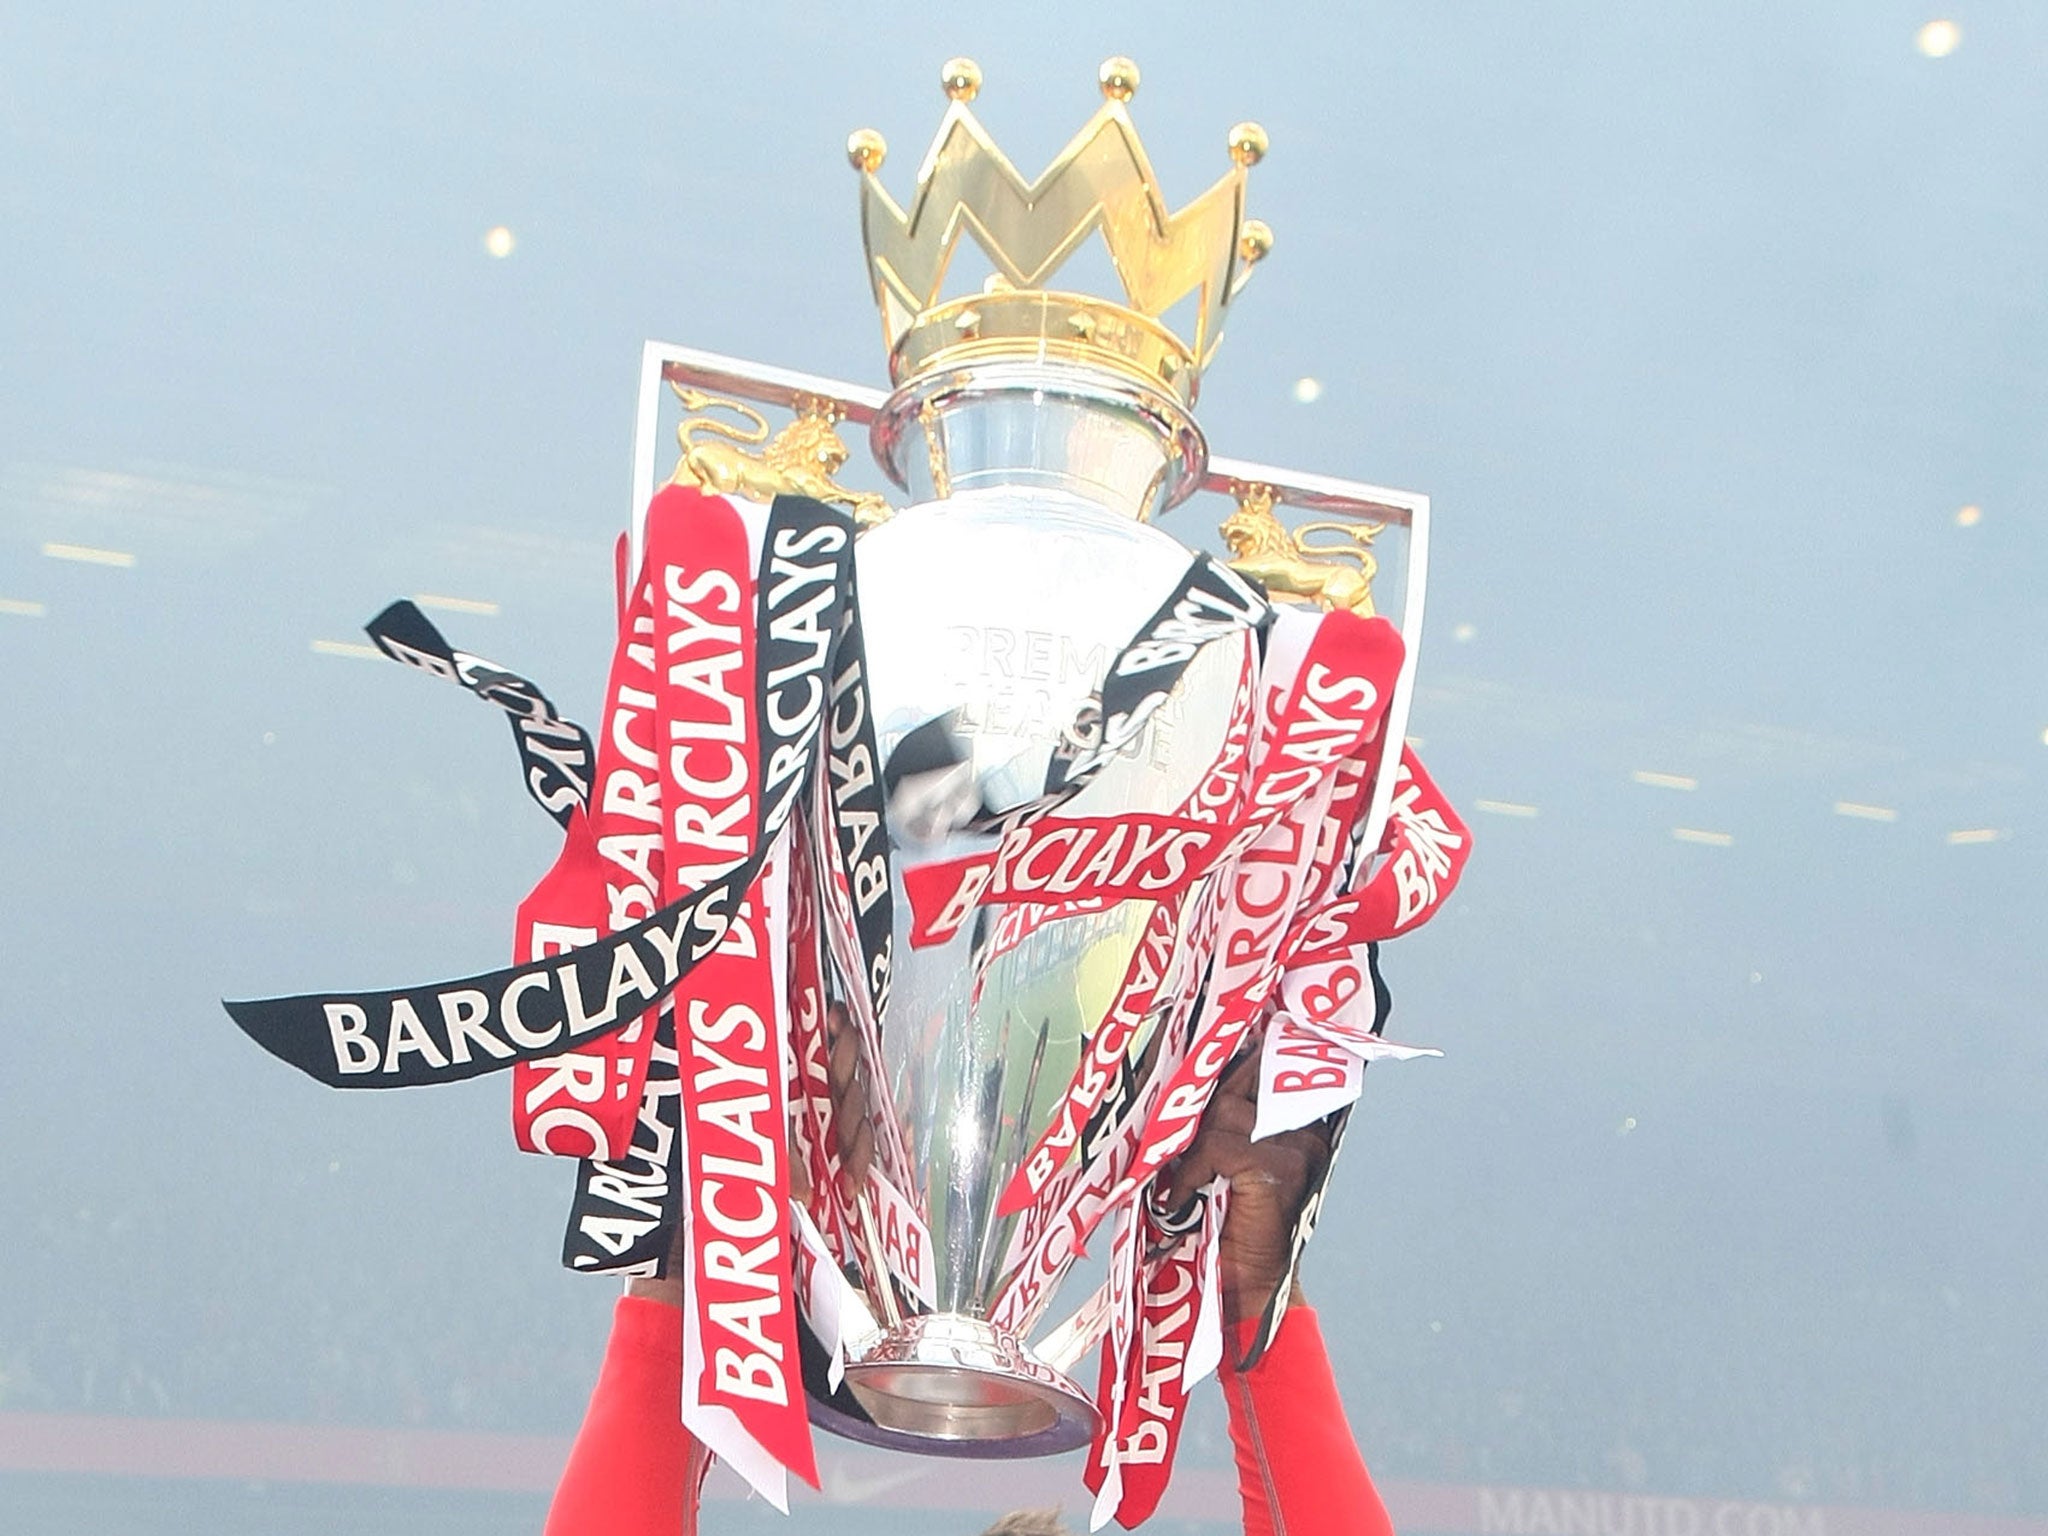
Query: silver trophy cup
column 998, row 607
column 1037, row 433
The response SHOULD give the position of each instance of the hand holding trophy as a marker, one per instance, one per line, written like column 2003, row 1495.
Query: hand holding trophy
column 935, row 871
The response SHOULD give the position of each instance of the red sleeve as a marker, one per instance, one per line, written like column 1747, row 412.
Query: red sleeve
column 1298, row 1469
column 634, row 1470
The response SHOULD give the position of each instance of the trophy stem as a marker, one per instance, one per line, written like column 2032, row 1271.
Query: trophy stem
column 1019, row 1129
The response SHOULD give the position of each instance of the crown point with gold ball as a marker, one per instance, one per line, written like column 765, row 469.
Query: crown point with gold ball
column 1101, row 182
column 1255, row 242
column 1248, row 143
column 865, row 150
column 961, row 79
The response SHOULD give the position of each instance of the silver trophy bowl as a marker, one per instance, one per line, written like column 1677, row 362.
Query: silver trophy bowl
column 999, row 606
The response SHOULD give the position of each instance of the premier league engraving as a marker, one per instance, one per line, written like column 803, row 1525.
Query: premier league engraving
column 931, row 862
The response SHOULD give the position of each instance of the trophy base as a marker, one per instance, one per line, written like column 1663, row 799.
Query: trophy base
column 948, row 1385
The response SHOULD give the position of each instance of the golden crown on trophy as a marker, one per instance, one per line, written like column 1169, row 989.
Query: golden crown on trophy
column 1101, row 180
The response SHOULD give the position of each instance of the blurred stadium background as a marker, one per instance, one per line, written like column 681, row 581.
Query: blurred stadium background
column 1720, row 338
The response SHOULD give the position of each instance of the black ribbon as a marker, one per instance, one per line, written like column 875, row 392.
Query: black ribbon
column 624, row 1212
column 555, row 754
column 853, row 760
column 1210, row 602
column 451, row 1030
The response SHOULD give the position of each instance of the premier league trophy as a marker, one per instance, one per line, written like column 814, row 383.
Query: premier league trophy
column 932, row 862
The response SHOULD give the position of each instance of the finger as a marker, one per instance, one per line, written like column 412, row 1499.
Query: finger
column 799, row 1174
column 1240, row 1083
column 1266, row 1201
column 857, row 1154
column 1281, row 1167
column 1229, row 1116
column 850, row 1114
column 1285, row 1167
column 850, row 1104
column 1218, row 1152
column 1221, row 1147
column 1315, row 1140
column 1223, row 1144
column 845, row 1057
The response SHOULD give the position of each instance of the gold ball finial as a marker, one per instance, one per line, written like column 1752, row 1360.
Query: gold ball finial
column 1255, row 241
column 1247, row 143
column 865, row 150
column 961, row 78
column 1119, row 78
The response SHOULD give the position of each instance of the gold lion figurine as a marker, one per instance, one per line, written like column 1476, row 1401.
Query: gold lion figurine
column 800, row 460
column 1262, row 547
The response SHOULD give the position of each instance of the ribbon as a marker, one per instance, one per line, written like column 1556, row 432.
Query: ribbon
column 554, row 753
column 812, row 1129
column 592, row 1094
column 677, row 981
column 625, row 1209
column 1105, row 1057
column 680, row 764
column 451, row 1030
column 861, row 842
column 1334, row 703
column 1210, row 603
column 742, row 1378
column 732, row 645
column 1421, row 857
column 1177, row 1343
column 1246, row 923
column 1103, row 1469
column 1338, row 697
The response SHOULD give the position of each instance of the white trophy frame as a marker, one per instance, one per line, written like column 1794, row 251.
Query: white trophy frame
column 664, row 363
